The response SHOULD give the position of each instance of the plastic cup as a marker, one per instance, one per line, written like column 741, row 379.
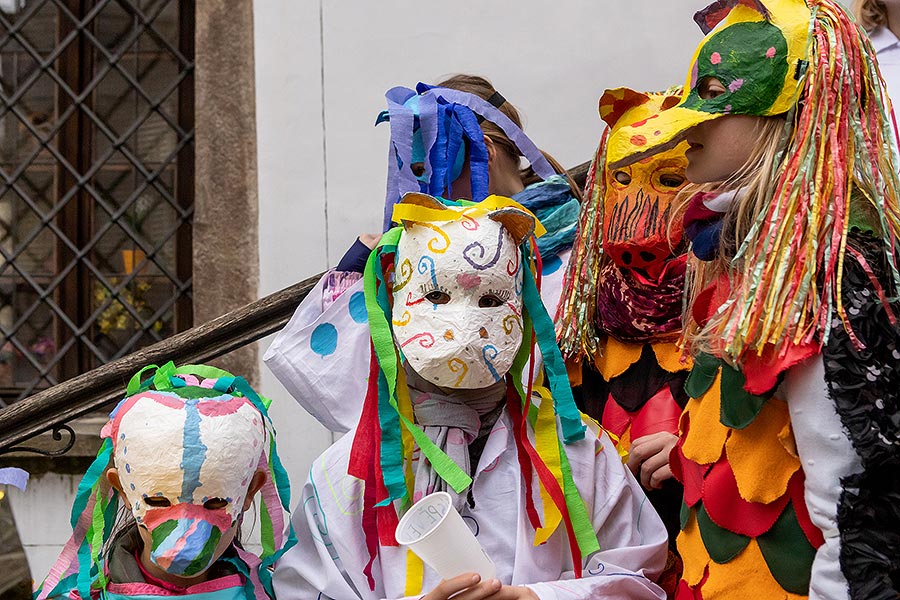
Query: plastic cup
column 435, row 531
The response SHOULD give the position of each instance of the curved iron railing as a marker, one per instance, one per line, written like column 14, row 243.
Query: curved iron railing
column 53, row 408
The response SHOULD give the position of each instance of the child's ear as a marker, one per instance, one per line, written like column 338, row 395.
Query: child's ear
column 491, row 149
column 259, row 479
column 112, row 476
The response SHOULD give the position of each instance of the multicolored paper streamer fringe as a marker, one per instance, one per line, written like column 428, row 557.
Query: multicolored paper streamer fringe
column 79, row 568
column 578, row 336
column 438, row 122
column 387, row 434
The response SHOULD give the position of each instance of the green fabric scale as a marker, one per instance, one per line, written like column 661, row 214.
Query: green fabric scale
column 738, row 407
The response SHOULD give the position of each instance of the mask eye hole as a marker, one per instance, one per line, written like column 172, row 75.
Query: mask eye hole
column 157, row 501
column 710, row 87
column 671, row 180
column 489, row 301
column 438, row 297
column 622, row 177
column 418, row 169
column 215, row 504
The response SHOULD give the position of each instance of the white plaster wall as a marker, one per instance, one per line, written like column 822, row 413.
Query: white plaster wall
column 42, row 518
column 322, row 70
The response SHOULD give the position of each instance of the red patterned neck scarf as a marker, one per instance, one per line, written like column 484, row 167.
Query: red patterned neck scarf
column 633, row 308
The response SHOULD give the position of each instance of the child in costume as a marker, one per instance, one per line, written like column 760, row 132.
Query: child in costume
column 184, row 454
column 882, row 21
column 459, row 139
column 789, row 442
column 448, row 409
column 619, row 318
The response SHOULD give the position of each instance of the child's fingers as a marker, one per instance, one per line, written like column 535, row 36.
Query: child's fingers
column 660, row 475
column 467, row 586
column 513, row 592
column 655, row 470
column 448, row 587
column 482, row 591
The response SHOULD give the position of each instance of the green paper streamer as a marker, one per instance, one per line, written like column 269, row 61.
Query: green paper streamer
column 578, row 513
column 266, row 532
column 554, row 366
column 202, row 371
column 134, row 384
column 161, row 378
column 95, row 534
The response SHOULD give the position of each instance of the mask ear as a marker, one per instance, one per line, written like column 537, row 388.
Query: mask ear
column 520, row 225
column 423, row 200
column 615, row 103
column 672, row 98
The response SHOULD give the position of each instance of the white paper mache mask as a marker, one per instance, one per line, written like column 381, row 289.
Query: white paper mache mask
column 457, row 313
column 199, row 454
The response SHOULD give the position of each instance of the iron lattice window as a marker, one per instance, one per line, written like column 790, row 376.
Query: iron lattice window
column 96, row 162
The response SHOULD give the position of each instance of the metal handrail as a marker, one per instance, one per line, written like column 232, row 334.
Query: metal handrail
column 51, row 409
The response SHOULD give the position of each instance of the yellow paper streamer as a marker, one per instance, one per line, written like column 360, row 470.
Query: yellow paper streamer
column 547, row 445
column 406, row 438
column 415, row 573
column 423, row 214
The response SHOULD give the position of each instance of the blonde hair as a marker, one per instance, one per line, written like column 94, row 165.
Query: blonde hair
column 756, row 182
column 481, row 87
column 870, row 13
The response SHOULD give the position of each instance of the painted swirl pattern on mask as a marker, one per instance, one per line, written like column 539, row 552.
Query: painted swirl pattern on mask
column 512, row 323
column 468, row 223
column 512, row 267
column 403, row 320
column 457, row 365
column 489, row 353
column 425, row 339
column 439, row 243
column 406, row 273
column 475, row 253
column 426, row 265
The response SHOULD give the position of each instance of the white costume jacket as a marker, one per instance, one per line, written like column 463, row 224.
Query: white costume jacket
column 329, row 559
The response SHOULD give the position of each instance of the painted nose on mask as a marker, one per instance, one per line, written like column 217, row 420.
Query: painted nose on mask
column 184, row 547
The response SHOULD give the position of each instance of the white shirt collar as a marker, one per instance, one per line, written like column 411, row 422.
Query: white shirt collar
column 882, row 38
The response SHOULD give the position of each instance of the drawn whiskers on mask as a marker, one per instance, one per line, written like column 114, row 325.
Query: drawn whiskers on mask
column 637, row 218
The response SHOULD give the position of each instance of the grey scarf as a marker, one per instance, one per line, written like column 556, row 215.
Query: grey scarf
column 454, row 420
